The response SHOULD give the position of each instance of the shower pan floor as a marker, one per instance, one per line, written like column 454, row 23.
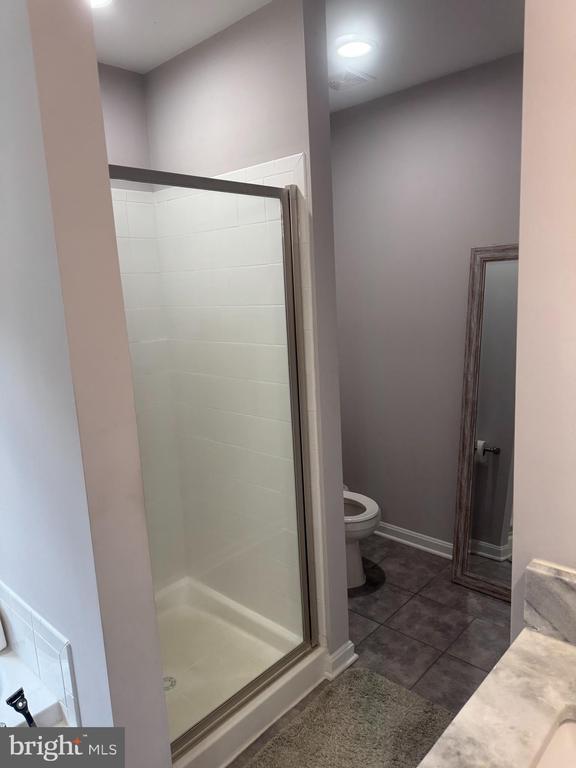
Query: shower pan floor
column 211, row 658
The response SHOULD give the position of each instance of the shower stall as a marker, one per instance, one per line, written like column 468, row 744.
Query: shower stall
column 211, row 285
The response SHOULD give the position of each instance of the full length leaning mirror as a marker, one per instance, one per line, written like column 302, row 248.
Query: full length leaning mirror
column 484, row 521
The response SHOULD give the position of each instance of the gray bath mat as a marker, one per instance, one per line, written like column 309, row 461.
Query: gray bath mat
column 360, row 721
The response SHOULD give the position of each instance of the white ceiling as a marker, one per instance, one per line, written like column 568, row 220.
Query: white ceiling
column 419, row 40
column 142, row 34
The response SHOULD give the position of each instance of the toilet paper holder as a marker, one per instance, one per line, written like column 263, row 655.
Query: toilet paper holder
column 481, row 451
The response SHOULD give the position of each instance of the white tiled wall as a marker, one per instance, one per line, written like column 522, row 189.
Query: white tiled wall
column 45, row 652
column 136, row 229
column 204, row 294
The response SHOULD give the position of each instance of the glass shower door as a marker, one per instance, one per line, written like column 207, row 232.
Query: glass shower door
column 207, row 275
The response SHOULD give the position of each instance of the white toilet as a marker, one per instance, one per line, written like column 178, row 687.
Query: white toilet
column 361, row 518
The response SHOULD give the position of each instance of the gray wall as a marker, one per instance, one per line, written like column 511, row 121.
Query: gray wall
column 233, row 101
column 420, row 177
column 230, row 102
column 124, row 110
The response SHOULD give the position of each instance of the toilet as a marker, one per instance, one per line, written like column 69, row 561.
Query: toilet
column 361, row 518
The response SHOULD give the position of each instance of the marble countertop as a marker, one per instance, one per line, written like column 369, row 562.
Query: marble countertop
column 512, row 715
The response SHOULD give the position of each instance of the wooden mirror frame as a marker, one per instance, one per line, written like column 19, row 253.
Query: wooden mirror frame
column 480, row 257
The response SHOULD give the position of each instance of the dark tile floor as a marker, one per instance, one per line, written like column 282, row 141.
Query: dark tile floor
column 415, row 627
column 421, row 630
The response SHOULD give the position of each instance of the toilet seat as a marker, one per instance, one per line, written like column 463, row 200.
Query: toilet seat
column 371, row 509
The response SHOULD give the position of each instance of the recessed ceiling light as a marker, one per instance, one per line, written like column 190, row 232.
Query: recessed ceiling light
column 100, row 3
column 353, row 49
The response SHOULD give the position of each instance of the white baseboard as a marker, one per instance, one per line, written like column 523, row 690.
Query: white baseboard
column 440, row 547
column 340, row 660
column 492, row 551
column 414, row 539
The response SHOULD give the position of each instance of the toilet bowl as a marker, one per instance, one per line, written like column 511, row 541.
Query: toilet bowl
column 361, row 518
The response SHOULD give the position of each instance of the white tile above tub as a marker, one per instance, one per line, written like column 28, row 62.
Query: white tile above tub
column 257, row 398
column 120, row 218
column 234, row 176
column 42, row 649
column 141, row 195
column 251, row 209
column 300, row 174
column 255, row 325
column 279, row 179
column 273, row 209
column 141, row 219
column 214, row 210
column 256, row 173
column 20, row 636
column 118, row 194
column 138, row 254
column 182, row 253
column 288, row 164
column 50, row 666
column 146, row 324
column 142, row 291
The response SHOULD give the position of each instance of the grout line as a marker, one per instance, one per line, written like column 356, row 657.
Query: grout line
column 418, row 591
column 415, row 683
column 452, row 608
column 210, row 306
column 445, row 652
column 442, row 653
column 464, row 661
column 431, row 579
column 470, row 616
column 208, row 375
column 171, row 339
column 472, row 619
column 474, row 666
column 204, row 307
column 193, row 270
column 378, row 625
column 394, row 614
column 409, row 637
column 240, row 446
column 213, row 441
column 227, row 411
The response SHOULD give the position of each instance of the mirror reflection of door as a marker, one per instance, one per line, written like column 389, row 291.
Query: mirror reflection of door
column 490, row 549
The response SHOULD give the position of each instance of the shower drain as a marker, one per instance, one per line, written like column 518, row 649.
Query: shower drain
column 169, row 683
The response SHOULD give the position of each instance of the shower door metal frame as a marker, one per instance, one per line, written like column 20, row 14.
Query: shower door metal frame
column 288, row 198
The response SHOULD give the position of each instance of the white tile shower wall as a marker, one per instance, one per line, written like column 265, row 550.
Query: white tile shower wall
column 45, row 652
column 136, row 230
column 207, row 330
column 221, row 264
